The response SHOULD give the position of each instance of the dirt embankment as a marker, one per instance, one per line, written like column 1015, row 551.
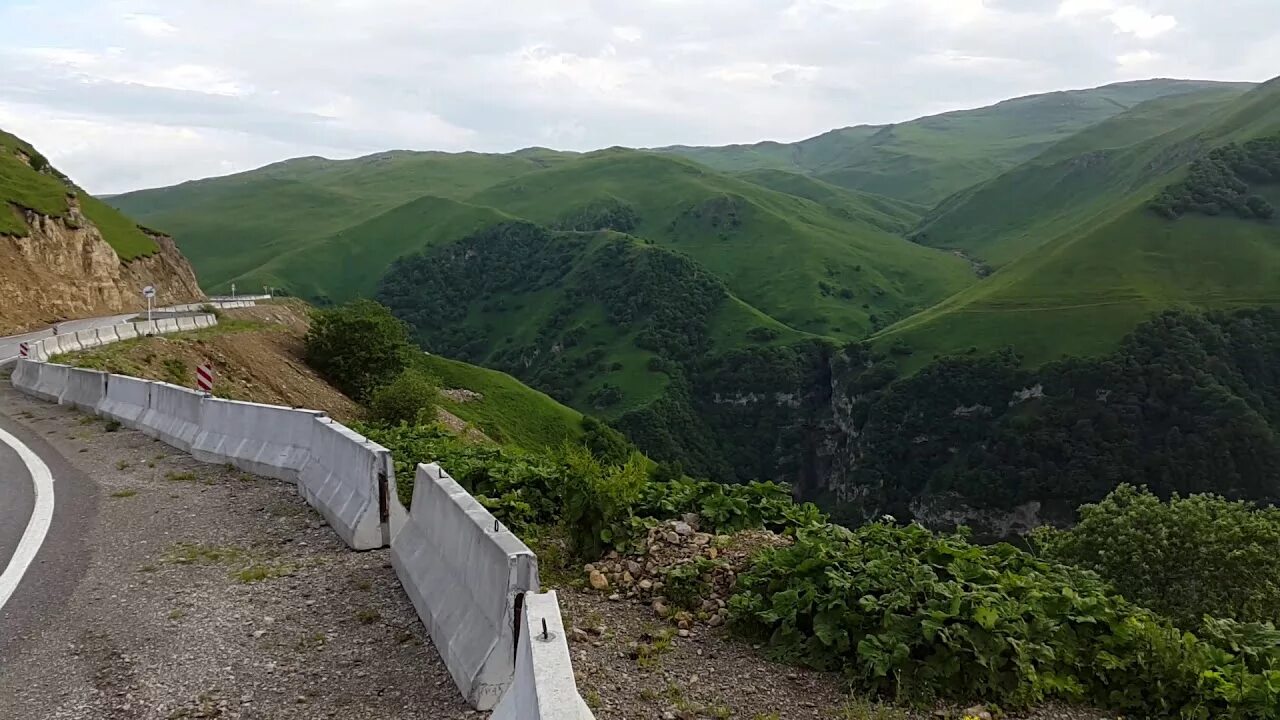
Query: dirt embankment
column 65, row 270
column 256, row 354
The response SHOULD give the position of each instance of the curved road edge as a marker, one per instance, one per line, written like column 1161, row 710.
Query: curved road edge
column 56, row 568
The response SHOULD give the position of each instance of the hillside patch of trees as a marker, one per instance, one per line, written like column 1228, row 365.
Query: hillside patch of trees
column 1220, row 182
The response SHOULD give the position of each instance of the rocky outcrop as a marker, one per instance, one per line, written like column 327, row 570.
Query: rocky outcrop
column 65, row 269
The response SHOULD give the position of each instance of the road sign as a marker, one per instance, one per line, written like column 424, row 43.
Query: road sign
column 24, row 350
column 149, row 292
column 204, row 378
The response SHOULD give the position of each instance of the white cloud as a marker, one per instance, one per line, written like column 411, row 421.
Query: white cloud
column 150, row 25
column 214, row 90
column 1139, row 22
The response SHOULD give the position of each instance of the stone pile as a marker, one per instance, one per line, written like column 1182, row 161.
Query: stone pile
column 686, row 576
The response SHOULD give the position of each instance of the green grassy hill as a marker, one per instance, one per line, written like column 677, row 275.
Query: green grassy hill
column 232, row 226
column 895, row 216
column 601, row 320
column 815, row 257
column 1095, row 259
column 818, row 268
column 28, row 181
column 505, row 409
column 928, row 159
column 349, row 263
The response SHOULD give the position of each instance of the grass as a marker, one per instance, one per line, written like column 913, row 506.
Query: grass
column 25, row 186
column 262, row 571
column 296, row 226
column 1089, row 261
column 247, row 566
column 522, row 416
column 126, row 493
column 929, row 159
column 228, row 227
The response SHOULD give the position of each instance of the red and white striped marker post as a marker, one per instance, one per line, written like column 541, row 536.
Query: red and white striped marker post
column 24, row 350
column 204, row 378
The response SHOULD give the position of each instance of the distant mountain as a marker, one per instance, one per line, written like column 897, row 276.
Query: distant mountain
column 1083, row 257
column 925, row 160
column 834, row 312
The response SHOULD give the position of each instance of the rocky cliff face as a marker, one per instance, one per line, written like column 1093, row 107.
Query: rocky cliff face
column 64, row 269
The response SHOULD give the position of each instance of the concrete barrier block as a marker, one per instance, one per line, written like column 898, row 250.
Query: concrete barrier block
column 166, row 325
column 350, row 481
column 126, row 332
column 544, row 687
column 108, row 335
column 186, row 323
column 466, row 577
column 65, row 344
column 26, row 374
column 126, row 401
column 85, row 389
column 265, row 440
column 51, row 382
column 146, row 328
column 173, row 415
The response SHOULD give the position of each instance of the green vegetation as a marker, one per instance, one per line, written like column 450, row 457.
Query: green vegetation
column 35, row 185
column 1220, row 182
column 327, row 231
column 1082, row 259
column 410, row 398
column 1187, row 404
column 1187, row 558
column 502, row 407
column 922, row 616
column 358, row 347
column 928, row 159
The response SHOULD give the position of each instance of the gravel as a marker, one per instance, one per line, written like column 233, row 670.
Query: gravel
column 210, row 593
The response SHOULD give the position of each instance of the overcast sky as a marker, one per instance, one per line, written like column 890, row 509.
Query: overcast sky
column 123, row 94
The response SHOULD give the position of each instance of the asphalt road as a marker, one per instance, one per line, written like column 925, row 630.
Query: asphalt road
column 9, row 345
column 61, row 558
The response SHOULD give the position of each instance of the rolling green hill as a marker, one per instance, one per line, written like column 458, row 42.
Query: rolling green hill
column 601, row 320
column 505, row 409
column 815, row 257
column 1086, row 258
column 817, row 268
column 928, row 159
column 231, row 226
column 28, row 181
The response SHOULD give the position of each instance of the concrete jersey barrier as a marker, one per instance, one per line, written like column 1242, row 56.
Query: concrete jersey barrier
column 266, row 440
column 26, row 373
column 85, row 389
column 350, row 480
column 172, row 416
column 126, row 401
column 51, row 382
column 467, row 577
column 544, row 687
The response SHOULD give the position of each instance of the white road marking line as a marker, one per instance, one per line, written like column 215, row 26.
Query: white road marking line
column 37, row 527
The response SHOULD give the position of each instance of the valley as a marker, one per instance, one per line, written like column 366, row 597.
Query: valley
column 971, row 416
column 730, row 309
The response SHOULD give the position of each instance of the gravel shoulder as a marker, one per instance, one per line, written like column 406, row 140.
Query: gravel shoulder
column 203, row 592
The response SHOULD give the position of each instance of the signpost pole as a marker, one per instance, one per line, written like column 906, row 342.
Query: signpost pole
column 149, row 292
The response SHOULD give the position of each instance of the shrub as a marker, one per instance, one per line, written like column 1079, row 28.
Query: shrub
column 599, row 499
column 1186, row 558
column 410, row 398
column 903, row 610
column 358, row 346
